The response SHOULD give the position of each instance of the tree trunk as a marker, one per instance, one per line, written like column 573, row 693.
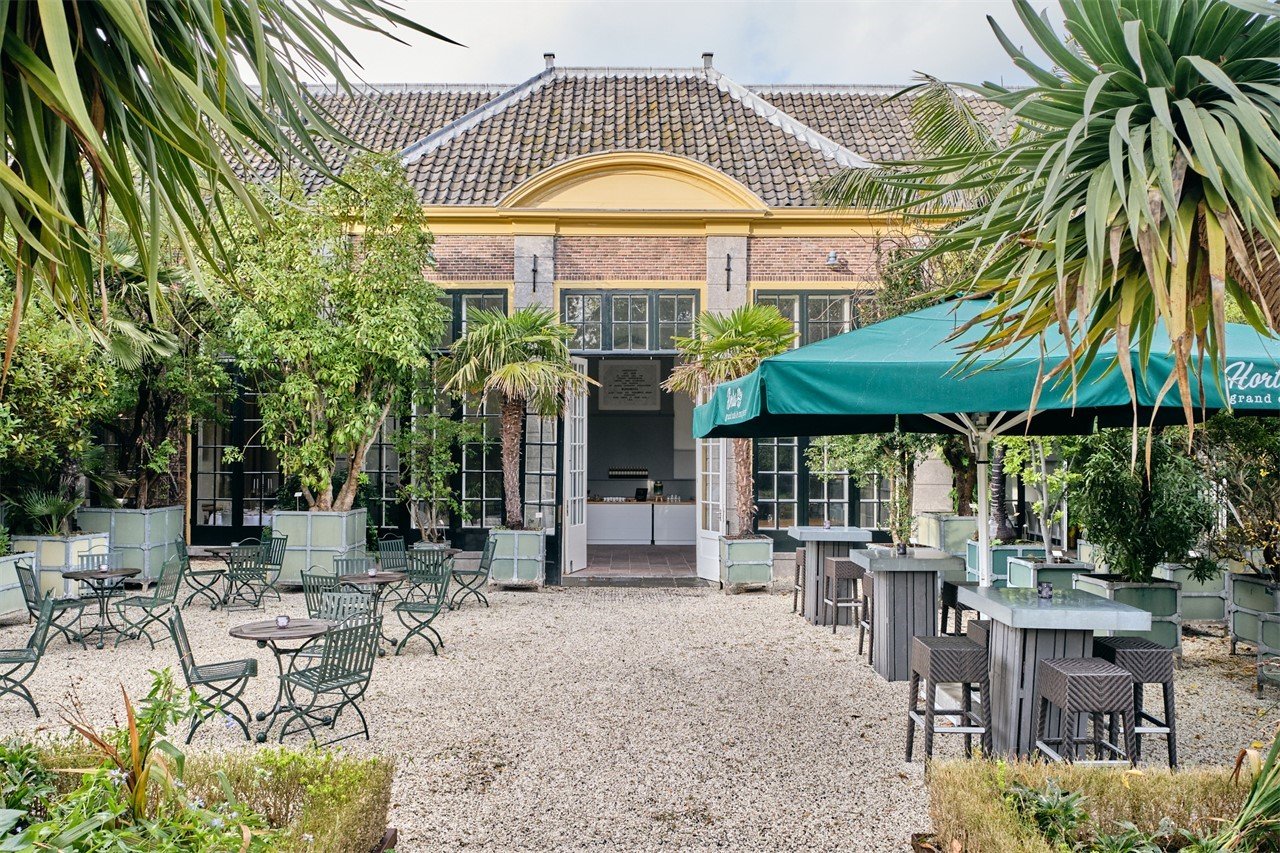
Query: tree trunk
column 512, row 433
column 743, row 486
column 964, row 472
column 999, row 508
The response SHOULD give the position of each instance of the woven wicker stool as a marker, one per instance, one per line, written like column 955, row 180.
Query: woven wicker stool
column 797, row 588
column 949, row 602
column 866, row 616
column 1084, row 686
column 839, row 569
column 949, row 660
column 979, row 630
column 1148, row 663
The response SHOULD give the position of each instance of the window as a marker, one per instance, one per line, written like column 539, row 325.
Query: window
column 382, row 466
column 262, row 479
column 873, row 503
column 540, row 470
column 777, row 472
column 463, row 303
column 814, row 316
column 828, row 497
column 711, row 453
column 213, row 498
column 629, row 322
column 482, row 466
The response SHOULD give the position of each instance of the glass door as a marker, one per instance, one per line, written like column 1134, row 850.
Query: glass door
column 574, row 524
column 711, row 455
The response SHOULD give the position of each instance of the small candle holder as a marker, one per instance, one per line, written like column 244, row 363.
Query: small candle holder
column 1044, row 590
column 901, row 549
column 372, row 571
column 282, row 621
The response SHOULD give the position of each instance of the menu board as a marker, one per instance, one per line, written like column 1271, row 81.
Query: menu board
column 629, row 386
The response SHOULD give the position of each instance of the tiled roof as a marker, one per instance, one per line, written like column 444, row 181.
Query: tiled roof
column 472, row 145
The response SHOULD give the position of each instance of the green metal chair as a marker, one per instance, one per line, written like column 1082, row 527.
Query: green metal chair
column 353, row 564
column 66, row 611
column 391, row 553
column 253, row 574
column 315, row 583
column 425, row 600
column 17, row 665
column 153, row 606
column 423, row 570
column 319, row 693
column 471, row 582
column 219, row 685
column 201, row 582
column 99, row 560
column 336, row 607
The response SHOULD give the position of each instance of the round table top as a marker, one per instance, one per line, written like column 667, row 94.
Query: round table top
column 101, row 574
column 375, row 578
column 266, row 630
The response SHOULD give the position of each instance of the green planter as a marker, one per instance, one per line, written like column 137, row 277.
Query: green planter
column 315, row 538
column 1000, row 555
column 946, row 532
column 1027, row 573
column 745, row 562
column 1251, row 598
column 53, row 555
column 1202, row 601
column 11, row 601
column 145, row 537
column 519, row 558
column 1161, row 598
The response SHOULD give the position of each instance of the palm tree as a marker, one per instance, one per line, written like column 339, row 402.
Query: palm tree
column 156, row 112
column 524, row 359
column 724, row 347
column 1138, row 187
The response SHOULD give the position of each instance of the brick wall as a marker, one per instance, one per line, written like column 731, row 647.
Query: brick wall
column 657, row 258
column 472, row 258
column 805, row 259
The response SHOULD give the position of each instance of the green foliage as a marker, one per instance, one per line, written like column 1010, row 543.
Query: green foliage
column 47, row 513
column 893, row 456
column 1047, row 464
column 329, row 326
column 427, row 445
column 26, row 785
column 1140, row 516
column 1138, row 189
column 1056, row 814
column 1241, row 456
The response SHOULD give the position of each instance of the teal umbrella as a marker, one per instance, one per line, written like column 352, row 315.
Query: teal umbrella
column 903, row 372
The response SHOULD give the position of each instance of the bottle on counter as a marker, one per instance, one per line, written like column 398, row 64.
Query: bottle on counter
column 657, row 488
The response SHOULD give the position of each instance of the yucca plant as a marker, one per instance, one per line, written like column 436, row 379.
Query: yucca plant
column 1257, row 826
column 1136, row 188
column 523, row 359
column 724, row 347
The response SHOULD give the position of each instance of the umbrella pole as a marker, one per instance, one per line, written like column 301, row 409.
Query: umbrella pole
column 982, row 445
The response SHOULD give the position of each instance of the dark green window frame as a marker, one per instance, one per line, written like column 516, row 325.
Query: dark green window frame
column 656, row 327
column 460, row 301
column 808, row 328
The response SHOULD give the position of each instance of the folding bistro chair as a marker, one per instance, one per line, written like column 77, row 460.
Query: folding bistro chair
column 66, row 611
column 17, row 665
column 473, row 581
column 254, row 573
column 319, row 693
column 315, row 583
column 353, row 564
column 424, row 600
column 153, row 606
column 220, row 685
column 391, row 553
column 423, row 568
column 201, row 582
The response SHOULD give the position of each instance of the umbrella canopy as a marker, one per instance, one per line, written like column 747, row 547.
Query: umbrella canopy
column 904, row 372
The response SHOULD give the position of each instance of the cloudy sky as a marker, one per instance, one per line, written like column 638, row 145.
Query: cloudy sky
column 754, row 41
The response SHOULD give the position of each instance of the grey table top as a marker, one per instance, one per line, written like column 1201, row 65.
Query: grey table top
column 815, row 533
column 916, row 560
column 1068, row 610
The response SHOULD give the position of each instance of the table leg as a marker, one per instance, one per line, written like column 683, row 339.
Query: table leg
column 1015, row 654
column 278, row 706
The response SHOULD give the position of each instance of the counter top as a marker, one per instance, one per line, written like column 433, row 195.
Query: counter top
column 829, row 534
column 1068, row 610
column 916, row 560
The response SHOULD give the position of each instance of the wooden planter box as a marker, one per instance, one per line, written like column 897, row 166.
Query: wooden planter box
column 1202, row 601
column 53, row 555
column 1000, row 555
column 11, row 601
column 946, row 532
column 145, row 537
column 519, row 558
column 1029, row 573
column 315, row 538
column 745, row 562
column 1161, row 598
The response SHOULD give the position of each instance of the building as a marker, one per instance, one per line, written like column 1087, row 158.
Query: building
column 627, row 200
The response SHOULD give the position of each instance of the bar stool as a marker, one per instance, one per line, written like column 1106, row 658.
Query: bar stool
column 797, row 588
column 835, row 570
column 979, row 630
column 949, row 602
column 1084, row 686
column 866, row 616
column 949, row 660
column 1148, row 663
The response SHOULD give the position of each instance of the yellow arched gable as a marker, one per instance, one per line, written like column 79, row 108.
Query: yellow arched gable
column 632, row 180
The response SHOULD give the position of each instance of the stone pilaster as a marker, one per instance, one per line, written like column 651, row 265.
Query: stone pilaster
column 734, row 250
column 540, row 291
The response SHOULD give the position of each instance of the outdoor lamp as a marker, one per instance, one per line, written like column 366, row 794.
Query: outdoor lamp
column 833, row 260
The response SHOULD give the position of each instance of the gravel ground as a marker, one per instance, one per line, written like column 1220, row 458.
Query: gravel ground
column 633, row 719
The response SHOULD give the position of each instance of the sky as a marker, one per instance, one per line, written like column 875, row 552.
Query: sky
column 754, row 41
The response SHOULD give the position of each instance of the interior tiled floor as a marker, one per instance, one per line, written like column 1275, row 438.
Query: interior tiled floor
column 650, row 561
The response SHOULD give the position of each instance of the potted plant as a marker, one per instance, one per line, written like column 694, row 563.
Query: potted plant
column 428, row 447
column 1048, row 466
column 1140, row 516
column 724, row 347
column 145, row 430
column 328, row 329
column 522, row 363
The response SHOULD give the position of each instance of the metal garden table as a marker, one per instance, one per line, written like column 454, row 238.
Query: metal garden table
column 102, row 584
column 267, row 634
column 819, row 544
column 376, row 584
column 1026, row 629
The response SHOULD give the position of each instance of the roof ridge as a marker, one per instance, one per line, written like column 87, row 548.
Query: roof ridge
column 321, row 89
column 465, row 122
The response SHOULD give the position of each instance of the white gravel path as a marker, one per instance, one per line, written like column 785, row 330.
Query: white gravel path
column 632, row 720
